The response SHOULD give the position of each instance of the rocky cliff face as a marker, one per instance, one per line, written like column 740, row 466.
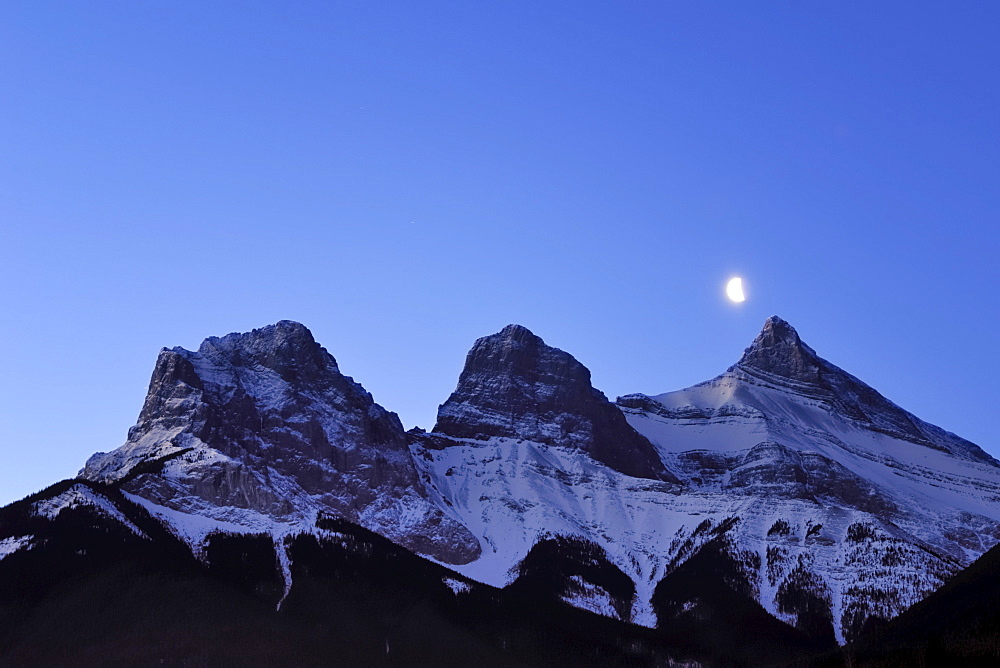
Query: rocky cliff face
column 515, row 386
column 264, row 422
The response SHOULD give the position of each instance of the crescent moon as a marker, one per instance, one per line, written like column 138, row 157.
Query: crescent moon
column 734, row 290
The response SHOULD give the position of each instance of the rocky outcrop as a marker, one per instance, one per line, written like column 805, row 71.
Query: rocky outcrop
column 265, row 421
column 515, row 386
column 773, row 471
column 778, row 350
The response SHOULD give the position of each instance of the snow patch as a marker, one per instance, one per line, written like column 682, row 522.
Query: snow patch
column 457, row 586
column 80, row 495
column 11, row 545
column 193, row 528
column 285, row 563
column 588, row 596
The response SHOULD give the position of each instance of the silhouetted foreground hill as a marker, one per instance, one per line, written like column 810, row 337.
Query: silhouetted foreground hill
column 104, row 582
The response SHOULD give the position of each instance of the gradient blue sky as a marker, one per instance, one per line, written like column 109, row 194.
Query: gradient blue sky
column 406, row 177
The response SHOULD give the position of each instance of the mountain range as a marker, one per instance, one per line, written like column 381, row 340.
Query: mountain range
column 784, row 499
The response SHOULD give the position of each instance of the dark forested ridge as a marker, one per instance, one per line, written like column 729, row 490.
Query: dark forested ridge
column 116, row 586
column 94, row 589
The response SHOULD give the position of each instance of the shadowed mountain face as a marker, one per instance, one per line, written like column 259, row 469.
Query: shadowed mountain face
column 264, row 423
column 515, row 386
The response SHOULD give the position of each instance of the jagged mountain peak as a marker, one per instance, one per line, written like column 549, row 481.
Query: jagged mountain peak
column 503, row 373
column 286, row 347
column 516, row 350
column 516, row 332
column 780, row 359
column 282, row 334
column 780, row 330
column 263, row 424
column 515, row 386
column 779, row 350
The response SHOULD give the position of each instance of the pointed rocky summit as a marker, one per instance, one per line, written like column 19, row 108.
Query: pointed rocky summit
column 778, row 355
column 778, row 350
column 514, row 385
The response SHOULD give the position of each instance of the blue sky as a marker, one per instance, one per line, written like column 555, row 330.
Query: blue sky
column 406, row 177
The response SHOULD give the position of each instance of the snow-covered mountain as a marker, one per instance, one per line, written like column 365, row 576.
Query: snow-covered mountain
column 843, row 494
column 785, row 478
column 263, row 430
column 835, row 504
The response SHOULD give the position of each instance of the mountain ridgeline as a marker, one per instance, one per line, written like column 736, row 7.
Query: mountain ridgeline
column 777, row 510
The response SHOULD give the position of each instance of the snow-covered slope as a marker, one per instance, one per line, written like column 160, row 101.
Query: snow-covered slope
column 834, row 497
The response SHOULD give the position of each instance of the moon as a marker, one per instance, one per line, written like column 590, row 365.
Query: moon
column 734, row 290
